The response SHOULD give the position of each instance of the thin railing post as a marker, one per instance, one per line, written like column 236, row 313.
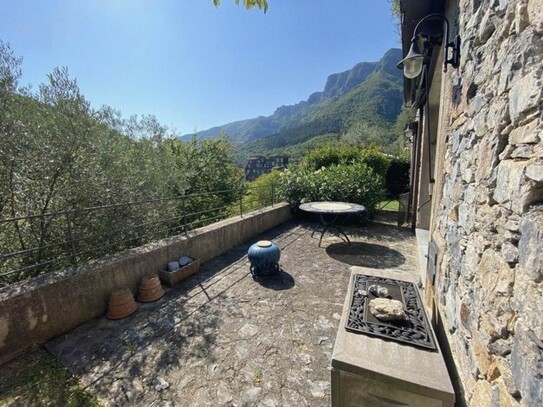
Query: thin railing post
column 184, row 216
column 272, row 194
column 73, row 253
column 240, row 203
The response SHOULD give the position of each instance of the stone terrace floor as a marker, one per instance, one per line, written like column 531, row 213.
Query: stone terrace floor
column 221, row 338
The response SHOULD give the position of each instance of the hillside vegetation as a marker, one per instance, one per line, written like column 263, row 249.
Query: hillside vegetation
column 362, row 175
column 359, row 106
column 59, row 154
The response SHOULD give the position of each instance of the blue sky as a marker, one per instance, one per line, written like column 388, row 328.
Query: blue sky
column 190, row 64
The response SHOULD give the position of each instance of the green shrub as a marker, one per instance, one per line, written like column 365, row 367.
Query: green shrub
column 259, row 192
column 330, row 155
column 375, row 159
column 397, row 178
column 356, row 183
column 297, row 184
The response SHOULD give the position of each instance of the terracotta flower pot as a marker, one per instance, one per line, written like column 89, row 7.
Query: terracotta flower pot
column 121, row 304
column 150, row 289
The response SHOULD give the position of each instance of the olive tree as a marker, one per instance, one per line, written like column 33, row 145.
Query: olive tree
column 59, row 156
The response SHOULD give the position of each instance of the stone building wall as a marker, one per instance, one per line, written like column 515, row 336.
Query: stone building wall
column 488, row 213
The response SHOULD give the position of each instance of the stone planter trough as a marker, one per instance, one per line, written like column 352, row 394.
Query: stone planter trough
column 173, row 277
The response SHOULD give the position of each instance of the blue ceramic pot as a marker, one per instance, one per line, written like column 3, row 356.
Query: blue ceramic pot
column 264, row 257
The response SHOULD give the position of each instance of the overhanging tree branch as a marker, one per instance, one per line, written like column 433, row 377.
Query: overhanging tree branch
column 261, row 4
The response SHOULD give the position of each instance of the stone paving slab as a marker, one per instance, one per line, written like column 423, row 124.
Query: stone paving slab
column 222, row 338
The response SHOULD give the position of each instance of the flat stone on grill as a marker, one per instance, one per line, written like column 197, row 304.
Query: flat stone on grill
column 379, row 290
column 386, row 309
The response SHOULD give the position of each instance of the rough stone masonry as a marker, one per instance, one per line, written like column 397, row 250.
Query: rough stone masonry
column 490, row 215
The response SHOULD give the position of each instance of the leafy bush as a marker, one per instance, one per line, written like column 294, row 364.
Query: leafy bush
column 397, row 178
column 329, row 155
column 356, row 183
column 375, row 159
column 262, row 191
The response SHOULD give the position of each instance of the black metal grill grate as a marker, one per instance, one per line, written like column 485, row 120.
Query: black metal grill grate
column 413, row 330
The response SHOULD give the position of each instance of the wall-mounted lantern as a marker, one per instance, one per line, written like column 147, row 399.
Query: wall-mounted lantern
column 408, row 135
column 414, row 60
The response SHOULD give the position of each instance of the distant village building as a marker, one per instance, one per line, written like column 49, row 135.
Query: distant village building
column 258, row 165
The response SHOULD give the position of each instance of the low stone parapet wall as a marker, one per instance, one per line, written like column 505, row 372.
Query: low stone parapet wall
column 47, row 306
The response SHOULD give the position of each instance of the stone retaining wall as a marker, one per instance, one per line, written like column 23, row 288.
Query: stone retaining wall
column 489, row 216
column 35, row 311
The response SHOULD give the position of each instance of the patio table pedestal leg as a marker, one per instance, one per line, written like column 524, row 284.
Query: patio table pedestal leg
column 331, row 225
column 333, row 210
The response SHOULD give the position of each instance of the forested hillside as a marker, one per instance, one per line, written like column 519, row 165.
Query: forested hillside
column 360, row 105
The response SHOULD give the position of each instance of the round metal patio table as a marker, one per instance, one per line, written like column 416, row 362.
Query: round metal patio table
column 329, row 212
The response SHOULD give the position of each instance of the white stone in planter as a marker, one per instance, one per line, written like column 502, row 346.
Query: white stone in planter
column 173, row 277
column 173, row 266
column 184, row 260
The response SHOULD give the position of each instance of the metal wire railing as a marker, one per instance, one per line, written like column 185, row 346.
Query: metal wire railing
column 40, row 243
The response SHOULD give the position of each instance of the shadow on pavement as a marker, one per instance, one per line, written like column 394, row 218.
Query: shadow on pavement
column 279, row 281
column 365, row 255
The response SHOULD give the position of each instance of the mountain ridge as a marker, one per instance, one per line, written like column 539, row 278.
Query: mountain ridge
column 315, row 115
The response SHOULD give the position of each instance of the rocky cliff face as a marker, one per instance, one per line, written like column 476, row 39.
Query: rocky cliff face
column 340, row 83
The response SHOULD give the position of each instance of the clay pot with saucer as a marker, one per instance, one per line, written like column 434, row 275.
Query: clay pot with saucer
column 150, row 289
column 121, row 304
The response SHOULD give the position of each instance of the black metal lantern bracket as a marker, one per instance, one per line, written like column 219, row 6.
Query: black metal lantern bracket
column 414, row 60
